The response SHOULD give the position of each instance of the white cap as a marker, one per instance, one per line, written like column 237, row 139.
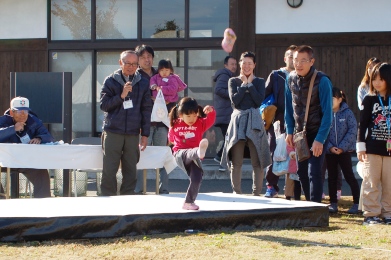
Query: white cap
column 20, row 103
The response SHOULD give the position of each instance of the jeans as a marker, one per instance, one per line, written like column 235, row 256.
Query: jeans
column 158, row 137
column 310, row 175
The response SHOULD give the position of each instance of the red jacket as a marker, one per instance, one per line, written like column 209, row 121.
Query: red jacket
column 184, row 136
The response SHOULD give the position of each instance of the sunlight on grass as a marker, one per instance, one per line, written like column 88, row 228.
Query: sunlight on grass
column 344, row 238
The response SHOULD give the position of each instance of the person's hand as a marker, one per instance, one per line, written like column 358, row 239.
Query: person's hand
column 250, row 78
column 362, row 156
column 127, row 88
column 143, row 142
column 19, row 126
column 317, row 148
column 35, row 141
column 289, row 140
column 158, row 88
column 208, row 109
column 243, row 78
column 334, row 150
column 339, row 151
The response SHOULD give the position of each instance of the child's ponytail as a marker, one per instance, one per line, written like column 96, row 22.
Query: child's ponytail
column 201, row 112
column 337, row 93
column 173, row 115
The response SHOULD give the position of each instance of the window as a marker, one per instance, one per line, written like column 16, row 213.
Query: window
column 202, row 66
column 116, row 19
column 208, row 18
column 163, row 18
column 70, row 20
column 79, row 63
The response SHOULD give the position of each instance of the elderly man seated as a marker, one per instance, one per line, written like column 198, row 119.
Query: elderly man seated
column 20, row 125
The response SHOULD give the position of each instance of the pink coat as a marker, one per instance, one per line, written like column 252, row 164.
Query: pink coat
column 292, row 163
column 170, row 86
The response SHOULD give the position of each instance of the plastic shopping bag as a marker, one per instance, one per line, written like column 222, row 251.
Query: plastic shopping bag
column 281, row 167
column 280, row 153
column 159, row 110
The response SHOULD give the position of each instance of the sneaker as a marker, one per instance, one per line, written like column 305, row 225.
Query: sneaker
column 333, row 208
column 217, row 159
column 369, row 221
column 323, row 196
column 339, row 193
column 353, row 209
column 271, row 192
column 202, row 148
column 222, row 169
column 190, row 206
column 387, row 221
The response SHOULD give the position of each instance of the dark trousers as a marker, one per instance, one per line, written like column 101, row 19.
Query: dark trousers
column 345, row 161
column 339, row 180
column 297, row 190
column 124, row 149
column 195, row 173
column 223, row 128
column 271, row 178
column 310, row 175
column 39, row 178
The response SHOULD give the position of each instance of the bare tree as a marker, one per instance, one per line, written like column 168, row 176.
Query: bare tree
column 77, row 17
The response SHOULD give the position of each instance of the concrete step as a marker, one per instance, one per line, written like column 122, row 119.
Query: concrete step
column 211, row 171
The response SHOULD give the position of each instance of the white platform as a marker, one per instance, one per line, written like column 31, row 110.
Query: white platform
column 97, row 217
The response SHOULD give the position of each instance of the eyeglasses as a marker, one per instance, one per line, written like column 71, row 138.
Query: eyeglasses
column 128, row 64
column 298, row 62
column 20, row 112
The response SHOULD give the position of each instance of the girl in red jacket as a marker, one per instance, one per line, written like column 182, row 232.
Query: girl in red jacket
column 188, row 123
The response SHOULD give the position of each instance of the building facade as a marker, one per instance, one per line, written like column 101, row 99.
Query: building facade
column 85, row 37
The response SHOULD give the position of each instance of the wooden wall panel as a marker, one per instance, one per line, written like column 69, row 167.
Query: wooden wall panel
column 20, row 56
column 342, row 56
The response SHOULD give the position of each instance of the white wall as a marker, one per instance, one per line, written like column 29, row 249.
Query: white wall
column 323, row 16
column 22, row 19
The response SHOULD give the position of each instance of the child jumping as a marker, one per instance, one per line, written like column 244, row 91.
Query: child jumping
column 188, row 123
column 375, row 148
column 341, row 142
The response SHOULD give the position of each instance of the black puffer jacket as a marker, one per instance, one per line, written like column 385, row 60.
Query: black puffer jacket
column 126, row 121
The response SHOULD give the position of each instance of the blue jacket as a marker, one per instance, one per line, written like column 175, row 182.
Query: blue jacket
column 222, row 103
column 343, row 131
column 126, row 121
column 34, row 128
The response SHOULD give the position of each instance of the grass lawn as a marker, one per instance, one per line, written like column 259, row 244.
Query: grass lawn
column 345, row 238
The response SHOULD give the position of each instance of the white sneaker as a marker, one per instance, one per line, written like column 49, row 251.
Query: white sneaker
column 202, row 148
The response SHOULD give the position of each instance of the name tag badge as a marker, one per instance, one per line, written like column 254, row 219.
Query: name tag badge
column 189, row 135
column 165, row 79
column 25, row 139
column 128, row 104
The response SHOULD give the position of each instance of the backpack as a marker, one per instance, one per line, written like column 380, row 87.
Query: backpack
column 268, row 108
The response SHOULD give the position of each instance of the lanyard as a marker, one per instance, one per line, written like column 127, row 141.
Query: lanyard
column 388, row 119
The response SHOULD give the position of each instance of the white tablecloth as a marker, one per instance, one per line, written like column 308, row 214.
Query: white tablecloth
column 76, row 157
